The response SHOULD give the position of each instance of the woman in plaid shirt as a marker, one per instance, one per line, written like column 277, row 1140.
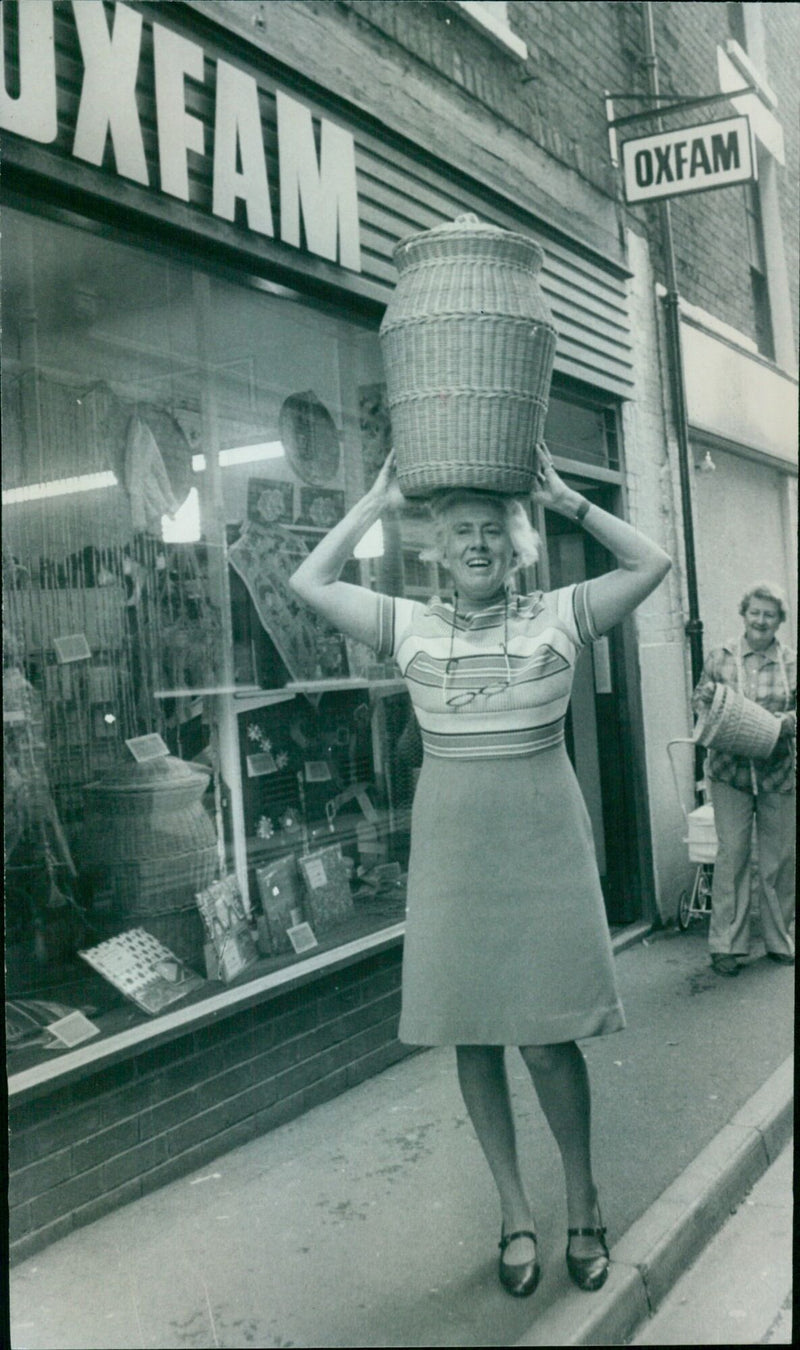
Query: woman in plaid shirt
column 758, row 665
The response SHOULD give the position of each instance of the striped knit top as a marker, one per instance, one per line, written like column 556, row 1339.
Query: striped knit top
column 472, row 703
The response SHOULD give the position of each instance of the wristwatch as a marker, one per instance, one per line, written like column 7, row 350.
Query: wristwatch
column 583, row 508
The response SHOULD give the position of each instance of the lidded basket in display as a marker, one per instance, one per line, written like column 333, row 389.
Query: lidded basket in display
column 149, row 841
column 468, row 347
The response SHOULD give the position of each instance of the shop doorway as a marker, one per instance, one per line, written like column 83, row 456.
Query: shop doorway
column 597, row 729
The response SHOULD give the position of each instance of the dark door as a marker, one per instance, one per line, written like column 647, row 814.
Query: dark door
column 597, row 723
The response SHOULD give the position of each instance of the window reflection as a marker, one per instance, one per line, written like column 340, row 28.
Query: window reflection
column 173, row 445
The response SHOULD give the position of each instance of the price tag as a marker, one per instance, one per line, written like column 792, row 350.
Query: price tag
column 147, row 747
column 315, row 872
column 302, row 937
column 73, row 1029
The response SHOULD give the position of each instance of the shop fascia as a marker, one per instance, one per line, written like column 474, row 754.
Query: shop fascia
column 324, row 189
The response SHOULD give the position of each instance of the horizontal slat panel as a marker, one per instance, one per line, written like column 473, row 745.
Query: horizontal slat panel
column 567, row 278
column 589, row 303
column 590, row 343
column 574, row 371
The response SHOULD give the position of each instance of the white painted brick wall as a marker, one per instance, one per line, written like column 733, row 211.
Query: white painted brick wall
column 654, row 507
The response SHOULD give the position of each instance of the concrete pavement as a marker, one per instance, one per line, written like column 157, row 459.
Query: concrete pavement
column 372, row 1220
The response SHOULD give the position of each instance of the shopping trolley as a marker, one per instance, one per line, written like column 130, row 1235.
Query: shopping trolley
column 702, row 842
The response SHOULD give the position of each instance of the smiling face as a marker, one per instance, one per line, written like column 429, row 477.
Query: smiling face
column 762, row 619
column 477, row 550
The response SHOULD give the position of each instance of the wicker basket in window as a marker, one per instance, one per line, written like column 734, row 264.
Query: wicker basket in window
column 149, row 840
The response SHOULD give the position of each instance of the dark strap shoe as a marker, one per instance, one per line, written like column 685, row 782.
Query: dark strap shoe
column 521, row 1278
column 588, row 1272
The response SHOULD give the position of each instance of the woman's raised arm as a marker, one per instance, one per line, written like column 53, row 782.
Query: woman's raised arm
column 642, row 564
column 353, row 610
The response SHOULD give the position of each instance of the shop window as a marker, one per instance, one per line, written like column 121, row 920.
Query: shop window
column 174, row 444
column 582, row 429
column 181, row 734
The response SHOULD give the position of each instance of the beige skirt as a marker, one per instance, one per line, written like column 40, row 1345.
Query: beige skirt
column 507, row 941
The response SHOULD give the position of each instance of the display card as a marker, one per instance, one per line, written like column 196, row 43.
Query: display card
column 143, row 969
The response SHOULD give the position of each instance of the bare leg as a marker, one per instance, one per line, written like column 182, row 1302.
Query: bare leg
column 484, row 1087
column 562, row 1086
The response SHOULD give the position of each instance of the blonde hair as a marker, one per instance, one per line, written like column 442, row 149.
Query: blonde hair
column 765, row 590
column 524, row 538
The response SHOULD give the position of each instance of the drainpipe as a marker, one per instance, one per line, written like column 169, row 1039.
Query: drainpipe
column 694, row 626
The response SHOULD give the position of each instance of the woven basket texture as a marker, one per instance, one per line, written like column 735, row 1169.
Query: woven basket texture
column 159, row 884
column 468, row 455
column 737, row 725
column 467, row 236
column 468, row 345
column 470, row 286
column 149, row 836
column 464, row 354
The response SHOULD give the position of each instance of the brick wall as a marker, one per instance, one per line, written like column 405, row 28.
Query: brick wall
column 782, row 31
column 86, row 1148
column 576, row 50
column 710, row 229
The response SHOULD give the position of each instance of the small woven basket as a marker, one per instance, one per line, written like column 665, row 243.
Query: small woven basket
column 468, row 346
column 737, row 725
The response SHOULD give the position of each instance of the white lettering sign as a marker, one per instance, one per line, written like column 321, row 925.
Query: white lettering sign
column 238, row 128
column 325, row 191
column 693, row 159
column 108, row 97
column 32, row 113
column 174, row 58
column 318, row 192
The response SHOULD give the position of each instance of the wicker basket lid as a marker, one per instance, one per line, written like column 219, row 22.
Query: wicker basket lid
column 154, row 775
column 468, row 237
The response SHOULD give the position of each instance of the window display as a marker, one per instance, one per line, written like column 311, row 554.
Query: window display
column 177, row 725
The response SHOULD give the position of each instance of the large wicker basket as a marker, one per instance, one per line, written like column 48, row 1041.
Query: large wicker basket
column 468, row 346
column 737, row 725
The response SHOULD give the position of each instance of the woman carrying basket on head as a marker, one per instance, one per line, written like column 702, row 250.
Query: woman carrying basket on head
column 758, row 666
column 506, row 935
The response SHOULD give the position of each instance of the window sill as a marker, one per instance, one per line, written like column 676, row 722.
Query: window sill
column 492, row 27
column 40, row 1078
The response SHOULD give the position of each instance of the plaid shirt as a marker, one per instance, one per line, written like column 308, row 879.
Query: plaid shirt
column 764, row 684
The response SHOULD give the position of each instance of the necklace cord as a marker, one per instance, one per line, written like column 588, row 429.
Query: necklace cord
column 451, row 658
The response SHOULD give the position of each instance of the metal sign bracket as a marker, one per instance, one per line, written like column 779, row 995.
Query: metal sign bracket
column 670, row 104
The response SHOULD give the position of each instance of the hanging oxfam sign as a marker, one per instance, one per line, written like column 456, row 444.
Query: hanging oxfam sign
column 693, row 159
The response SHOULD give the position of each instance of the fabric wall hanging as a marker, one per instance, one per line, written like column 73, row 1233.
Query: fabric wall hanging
column 265, row 558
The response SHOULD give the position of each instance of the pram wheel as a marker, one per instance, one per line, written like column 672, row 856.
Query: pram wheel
column 684, row 910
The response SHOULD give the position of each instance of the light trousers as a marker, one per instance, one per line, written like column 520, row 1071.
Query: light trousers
column 729, row 929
